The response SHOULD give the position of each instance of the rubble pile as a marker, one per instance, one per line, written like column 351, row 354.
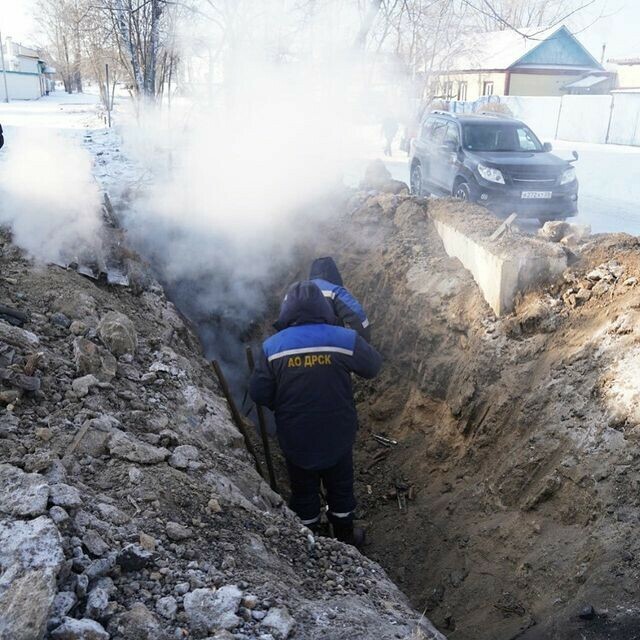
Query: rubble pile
column 497, row 459
column 129, row 508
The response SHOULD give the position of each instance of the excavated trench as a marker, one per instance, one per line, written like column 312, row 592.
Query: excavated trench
column 508, row 507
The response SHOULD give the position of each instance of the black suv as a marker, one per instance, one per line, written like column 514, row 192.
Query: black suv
column 494, row 160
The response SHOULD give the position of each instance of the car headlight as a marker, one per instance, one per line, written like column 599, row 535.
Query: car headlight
column 568, row 176
column 491, row 174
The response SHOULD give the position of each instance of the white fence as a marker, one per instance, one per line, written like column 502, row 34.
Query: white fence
column 22, row 86
column 610, row 119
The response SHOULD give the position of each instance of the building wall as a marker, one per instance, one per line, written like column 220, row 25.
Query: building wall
column 475, row 83
column 533, row 84
column 22, row 86
column 628, row 76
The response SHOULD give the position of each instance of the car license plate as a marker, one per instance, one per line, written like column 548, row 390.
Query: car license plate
column 540, row 195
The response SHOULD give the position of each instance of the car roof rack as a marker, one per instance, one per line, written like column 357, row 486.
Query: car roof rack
column 494, row 114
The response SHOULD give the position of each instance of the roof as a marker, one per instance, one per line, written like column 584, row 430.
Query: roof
column 586, row 82
column 476, row 118
column 624, row 61
column 545, row 47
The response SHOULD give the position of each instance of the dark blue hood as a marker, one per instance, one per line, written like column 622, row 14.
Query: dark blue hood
column 304, row 304
column 326, row 269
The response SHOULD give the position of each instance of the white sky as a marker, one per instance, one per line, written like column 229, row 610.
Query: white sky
column 618, row 26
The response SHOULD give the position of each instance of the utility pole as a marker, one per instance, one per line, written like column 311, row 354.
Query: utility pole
column 108, row 101
column 4, row 71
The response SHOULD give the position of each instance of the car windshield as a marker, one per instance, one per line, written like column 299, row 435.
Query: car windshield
column 500, row 136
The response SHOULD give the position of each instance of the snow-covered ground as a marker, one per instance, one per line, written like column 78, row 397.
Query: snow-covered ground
column 609, row 174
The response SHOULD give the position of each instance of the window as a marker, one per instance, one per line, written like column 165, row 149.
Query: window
column 452, row 136
column 448, row 90
column 500, row 137
column 487, row 88
column 462, row 90
column 438, row 131
column 427, row 125
column 527, row 141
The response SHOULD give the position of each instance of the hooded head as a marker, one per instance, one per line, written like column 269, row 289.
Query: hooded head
column 325, row 269
column 304, row 304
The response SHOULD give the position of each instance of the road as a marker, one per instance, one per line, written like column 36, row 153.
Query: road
column 609, row 178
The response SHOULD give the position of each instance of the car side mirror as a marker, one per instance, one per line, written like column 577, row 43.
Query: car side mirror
column 547, row 146
column 575, row 155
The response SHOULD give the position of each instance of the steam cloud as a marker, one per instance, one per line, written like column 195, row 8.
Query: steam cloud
column 240, row 184
column 49, row 197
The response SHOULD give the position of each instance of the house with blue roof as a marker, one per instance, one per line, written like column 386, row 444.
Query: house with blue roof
column 526, row 62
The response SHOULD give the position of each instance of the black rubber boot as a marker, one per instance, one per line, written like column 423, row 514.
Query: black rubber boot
column 347, row 533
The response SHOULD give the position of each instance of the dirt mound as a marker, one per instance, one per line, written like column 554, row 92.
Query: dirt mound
column 129, row 507
column 508, row 507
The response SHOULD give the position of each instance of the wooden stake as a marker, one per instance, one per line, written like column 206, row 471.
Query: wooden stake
column 263, row 429
column 235, row 414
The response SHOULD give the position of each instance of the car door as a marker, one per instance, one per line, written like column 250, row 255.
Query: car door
column 445, row 156
column 421, row 146
column 434, row 137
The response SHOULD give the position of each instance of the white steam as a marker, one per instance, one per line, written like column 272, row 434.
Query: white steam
column 48, row 195
column 241, row 180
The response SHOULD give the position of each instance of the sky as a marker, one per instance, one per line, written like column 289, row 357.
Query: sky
column 615, row 22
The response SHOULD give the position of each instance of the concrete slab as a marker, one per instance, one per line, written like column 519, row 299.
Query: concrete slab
column 502, row 268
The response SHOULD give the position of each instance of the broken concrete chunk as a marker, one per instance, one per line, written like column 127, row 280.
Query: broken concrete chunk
column 62, row 604
column 94, row 543
column 182, row 455
column 19, row 380
column 167, row 607
column 124, row 445
column 118, row 333
column 112, row 514
column 177, row 531
column 64, row 495
column 75, row 304
column 279, row 621
column 208, row 609
column 90, row 359
column 141, row 624
column 9, row 424
column 93, row 436
column 133, row 558
column 554, row 230
column 97, row 603
column 84, row 629
column 22, row 495
column 82, row 385
column 583, row 295
column 17, row 337
column 31, row 557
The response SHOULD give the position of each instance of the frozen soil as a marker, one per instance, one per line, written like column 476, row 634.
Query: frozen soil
column 509, row 507
column 127, row 475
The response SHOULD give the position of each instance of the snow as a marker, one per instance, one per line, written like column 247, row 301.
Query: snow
column 609, row 175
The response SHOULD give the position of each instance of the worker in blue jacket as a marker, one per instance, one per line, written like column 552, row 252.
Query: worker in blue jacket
column 304, row 376
column 324, row 272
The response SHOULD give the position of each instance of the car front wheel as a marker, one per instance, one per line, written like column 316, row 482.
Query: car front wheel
column 462, row 192
column 416, row 180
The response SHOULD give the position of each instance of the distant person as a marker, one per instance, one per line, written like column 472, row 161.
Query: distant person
column 389, row 130
column 324, row 272
column 1, row 138
column 304, row 376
